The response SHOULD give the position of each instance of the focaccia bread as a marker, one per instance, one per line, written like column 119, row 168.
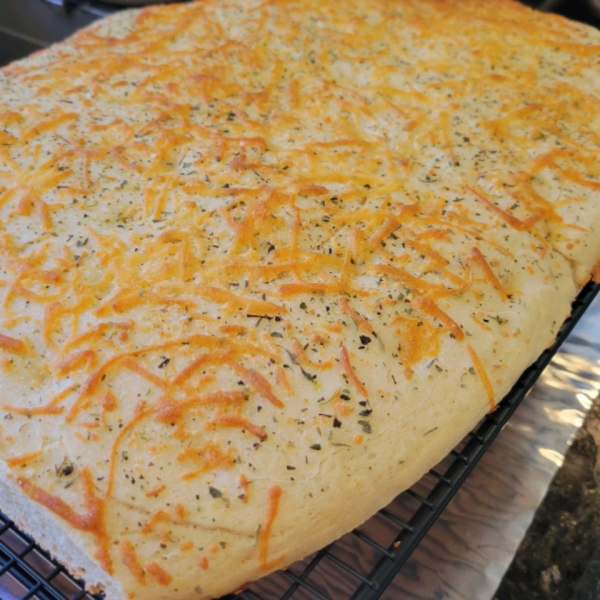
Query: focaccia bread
column 264, row 263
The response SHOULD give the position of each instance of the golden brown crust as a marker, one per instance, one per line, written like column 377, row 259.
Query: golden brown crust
column 261, row 256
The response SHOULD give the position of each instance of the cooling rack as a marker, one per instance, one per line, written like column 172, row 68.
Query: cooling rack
column 359, row 566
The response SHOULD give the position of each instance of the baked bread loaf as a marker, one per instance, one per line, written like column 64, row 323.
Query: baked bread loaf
column 265, row 262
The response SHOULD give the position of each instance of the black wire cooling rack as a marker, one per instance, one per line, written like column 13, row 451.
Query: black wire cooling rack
column 359, row 566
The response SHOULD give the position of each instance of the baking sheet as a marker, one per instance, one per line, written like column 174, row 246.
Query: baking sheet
column 470, row 547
